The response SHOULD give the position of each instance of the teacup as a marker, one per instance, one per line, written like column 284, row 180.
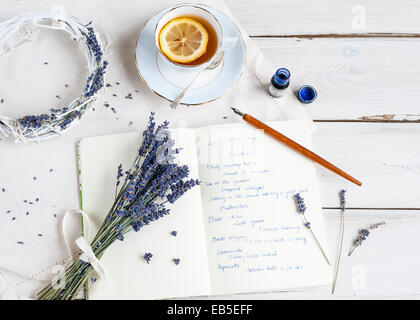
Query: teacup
column 208, row 20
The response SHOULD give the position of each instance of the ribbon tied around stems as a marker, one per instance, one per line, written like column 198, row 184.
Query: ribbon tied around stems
column 89, row 257
column 82, row 242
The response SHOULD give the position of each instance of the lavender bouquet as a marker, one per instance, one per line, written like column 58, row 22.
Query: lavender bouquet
column 140, row 197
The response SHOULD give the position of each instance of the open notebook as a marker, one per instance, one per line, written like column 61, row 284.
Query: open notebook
column 238, row 232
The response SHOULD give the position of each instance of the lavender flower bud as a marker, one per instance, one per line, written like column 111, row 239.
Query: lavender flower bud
column 148, row 256
column 343, row 199
column 300, row 203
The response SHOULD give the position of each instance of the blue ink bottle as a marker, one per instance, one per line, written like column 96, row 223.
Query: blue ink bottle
column 279, row 83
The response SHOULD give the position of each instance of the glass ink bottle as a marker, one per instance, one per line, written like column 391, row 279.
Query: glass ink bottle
column 279, row 83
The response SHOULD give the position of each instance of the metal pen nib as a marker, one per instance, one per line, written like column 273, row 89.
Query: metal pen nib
column 238, row 112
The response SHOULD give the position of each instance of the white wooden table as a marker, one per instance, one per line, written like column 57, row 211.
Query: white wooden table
column 367, row 73
column 367, row 114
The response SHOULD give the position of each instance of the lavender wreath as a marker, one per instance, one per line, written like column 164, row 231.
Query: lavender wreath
column 21, row 29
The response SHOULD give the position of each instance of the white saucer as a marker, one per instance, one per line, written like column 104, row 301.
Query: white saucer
column 210, row 84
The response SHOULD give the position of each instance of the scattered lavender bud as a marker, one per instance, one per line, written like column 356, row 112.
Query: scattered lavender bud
column 3, row 189
column 30, row 202
column 117, row 83
column 66, row 85
column 8, row 211
column 55, row 216
column 148, row 256
column 2, row 100
column 25, row 201
column 51, row 170
column 37, row 199
column 58, row 97
column 34, row 178
column 113, row 110
column 114, row 94
column 20, row 242
column 14, row 218
column 27, row 213
column 224, row 117
column 137, row 91
column 45, row 62
column 177, row 261
column 174, row 233
column 130, row 123
column 106, row 105
column 108, row 85
column 40, row 235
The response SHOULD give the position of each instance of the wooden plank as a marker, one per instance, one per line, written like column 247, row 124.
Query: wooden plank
column 306, row 17
column 384, row 156
column 386, row 266
column 358, row 79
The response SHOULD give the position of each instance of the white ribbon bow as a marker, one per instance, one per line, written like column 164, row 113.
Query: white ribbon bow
column 89, row 256
column 82, row 243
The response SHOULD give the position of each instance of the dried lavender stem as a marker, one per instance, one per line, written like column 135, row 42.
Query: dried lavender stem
column 301, row 209
column 317, row 242
column 343, row 209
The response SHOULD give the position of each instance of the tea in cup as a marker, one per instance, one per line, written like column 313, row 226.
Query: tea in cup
column 188, row 37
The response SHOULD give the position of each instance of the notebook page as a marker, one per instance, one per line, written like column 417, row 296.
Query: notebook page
column 256, row 240
column 129, row 276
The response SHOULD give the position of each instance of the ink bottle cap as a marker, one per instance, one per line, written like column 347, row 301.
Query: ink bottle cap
column 307, row 94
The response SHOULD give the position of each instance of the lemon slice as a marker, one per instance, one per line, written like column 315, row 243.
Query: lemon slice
column 183, row 40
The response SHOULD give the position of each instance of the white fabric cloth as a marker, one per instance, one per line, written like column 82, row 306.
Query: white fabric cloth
column 37, row 73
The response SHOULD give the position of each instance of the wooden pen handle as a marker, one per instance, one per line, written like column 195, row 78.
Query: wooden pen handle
column 299, row 148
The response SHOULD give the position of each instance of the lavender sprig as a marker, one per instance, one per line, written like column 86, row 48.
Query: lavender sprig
column 363, row 234
column 301, row 207
column 119, row 176
column 343, row 210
